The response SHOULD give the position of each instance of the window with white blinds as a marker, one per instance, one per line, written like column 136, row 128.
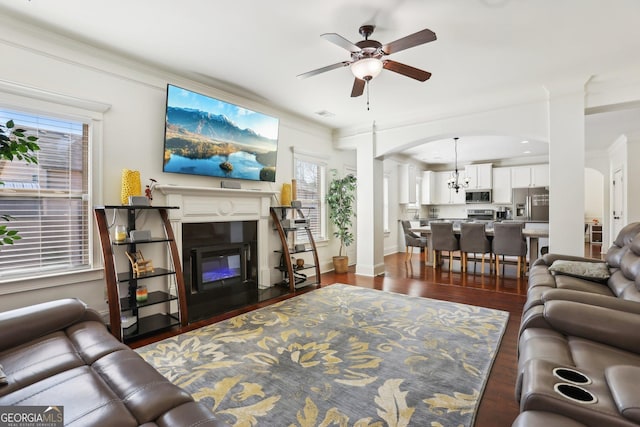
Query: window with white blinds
column 47, row 201
column 310, row 175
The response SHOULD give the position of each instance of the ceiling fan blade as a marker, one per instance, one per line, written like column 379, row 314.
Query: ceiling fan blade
column 324, row 69
column 406, row 70
column 415, row 39
column 358, row 87
column 340, row 41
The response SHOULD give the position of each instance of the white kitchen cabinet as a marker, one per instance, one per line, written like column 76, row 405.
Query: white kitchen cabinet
column 480, row 176
column 530, row 176
column 540, row 175
column 458, row 198
column 407, row 183
column 441, row 194
column 427, row 188
column 521, row 176
column 501, row 185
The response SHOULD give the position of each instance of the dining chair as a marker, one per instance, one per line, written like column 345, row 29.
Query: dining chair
column 412, row 240
column 508, row 240
column 443, row 239
column 474, row 240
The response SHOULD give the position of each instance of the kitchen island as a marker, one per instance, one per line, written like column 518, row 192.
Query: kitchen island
column 533, row 236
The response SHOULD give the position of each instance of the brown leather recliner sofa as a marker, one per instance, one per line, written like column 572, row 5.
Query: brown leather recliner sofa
column 622, row 259
column 60, row 353
column 579, row 346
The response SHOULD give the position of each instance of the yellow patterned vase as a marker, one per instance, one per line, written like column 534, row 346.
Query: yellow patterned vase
column 285, row 195
column 130, row 186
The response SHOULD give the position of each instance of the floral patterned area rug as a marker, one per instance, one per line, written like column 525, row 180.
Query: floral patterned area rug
column 339, row 355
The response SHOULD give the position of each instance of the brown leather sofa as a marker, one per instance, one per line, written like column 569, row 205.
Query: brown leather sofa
column 585, row 365
column 544, row 419
column 579, row 351
column 623, row 260
column 60, row 353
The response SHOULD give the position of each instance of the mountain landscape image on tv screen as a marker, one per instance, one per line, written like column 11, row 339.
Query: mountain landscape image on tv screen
column 206, row 136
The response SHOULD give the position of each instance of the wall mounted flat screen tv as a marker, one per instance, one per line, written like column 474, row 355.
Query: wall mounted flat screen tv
column 207, row 136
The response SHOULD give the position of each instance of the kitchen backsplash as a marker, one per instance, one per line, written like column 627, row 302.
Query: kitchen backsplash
column 459, row 211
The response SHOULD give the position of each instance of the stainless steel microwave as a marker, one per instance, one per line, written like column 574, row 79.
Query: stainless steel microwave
column 478, row 196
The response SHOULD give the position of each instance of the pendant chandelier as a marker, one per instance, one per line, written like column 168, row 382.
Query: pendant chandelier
column 456, row 181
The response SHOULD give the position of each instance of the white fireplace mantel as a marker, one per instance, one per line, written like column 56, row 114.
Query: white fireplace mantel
column 189, row 189
column 206, row 204
column 216, row 204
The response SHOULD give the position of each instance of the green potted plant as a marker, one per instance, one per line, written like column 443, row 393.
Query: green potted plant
column 341, row 198
column 14, row 145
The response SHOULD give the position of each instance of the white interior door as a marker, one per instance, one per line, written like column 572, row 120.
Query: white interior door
column 618, row 202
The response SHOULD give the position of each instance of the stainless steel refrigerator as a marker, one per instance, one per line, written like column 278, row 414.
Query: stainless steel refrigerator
column 531, row 204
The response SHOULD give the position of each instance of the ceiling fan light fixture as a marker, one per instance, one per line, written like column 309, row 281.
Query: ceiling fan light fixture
column 366, row 68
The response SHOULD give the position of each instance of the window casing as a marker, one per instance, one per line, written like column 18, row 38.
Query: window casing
column 310, row 174
column 49, row 201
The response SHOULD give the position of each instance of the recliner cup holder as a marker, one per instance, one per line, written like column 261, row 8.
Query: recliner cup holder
column 575, row 393
column 571, row 376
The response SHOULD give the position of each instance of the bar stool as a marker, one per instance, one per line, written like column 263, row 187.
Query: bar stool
column 473, row 239
column 508, row 240
column 412, row 240
column 443, row 239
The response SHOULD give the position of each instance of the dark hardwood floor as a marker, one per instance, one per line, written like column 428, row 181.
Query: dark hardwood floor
column 498, row 406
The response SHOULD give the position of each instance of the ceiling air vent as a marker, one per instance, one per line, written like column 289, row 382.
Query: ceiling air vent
column 325, row 113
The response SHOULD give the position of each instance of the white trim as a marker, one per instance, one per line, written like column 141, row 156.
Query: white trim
column 52, row 97
column 199, row 191
column 25, row 284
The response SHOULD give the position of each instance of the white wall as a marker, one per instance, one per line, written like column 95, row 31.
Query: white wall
column 133, row 128
column 617, row 162
column 633, row 177
column 458, row 211
column 594, row 195
column 597, row 162
column 393, row 241
column 623, row 155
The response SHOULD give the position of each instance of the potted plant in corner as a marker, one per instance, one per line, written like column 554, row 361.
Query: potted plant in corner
column 14, row 145
column 341, row 198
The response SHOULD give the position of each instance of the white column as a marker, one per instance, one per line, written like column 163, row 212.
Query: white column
column 370, row 247
column 566, row 167
column 632, row 179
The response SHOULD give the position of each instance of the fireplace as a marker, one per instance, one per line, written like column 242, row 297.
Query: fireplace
column 212, row 218
column 220, row 268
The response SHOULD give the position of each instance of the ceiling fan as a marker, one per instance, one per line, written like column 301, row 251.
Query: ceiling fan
column 367, row 57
